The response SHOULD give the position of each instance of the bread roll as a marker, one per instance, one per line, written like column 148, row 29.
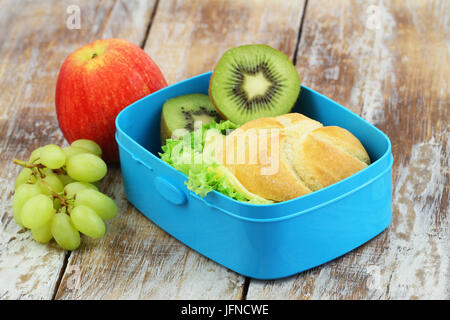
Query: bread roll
column 291, row 155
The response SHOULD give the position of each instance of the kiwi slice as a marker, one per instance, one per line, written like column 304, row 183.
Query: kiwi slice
column 180, row 114
column 253, row 81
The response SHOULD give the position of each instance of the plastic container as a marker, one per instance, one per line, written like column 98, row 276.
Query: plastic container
column 259, row 241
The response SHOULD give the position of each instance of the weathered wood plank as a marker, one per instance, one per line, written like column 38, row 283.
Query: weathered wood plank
column 389, row 62
column 188, row 37
column 33, row 44
column 138, row 260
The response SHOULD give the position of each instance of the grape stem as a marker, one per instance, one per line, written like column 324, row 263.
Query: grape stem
column 26, row 164
column 35, row 167
column 59, row 171
column 38, row 167
column 55, row 194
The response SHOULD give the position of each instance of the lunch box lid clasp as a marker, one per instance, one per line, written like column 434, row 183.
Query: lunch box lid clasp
column 169, row 191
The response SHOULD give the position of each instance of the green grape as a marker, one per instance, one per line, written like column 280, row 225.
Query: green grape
column 65, row 179
column 51, row 180
column 37, row 211
column 87, row 221
column 52, row 156
column 75, row 187
column 64, row 232
column 103, row 205
column 56, row 204
column 35, row 155
column 46, row 171
column 43, row 234
column 70, row 151
column 26, row 174
column 23, row 193
column 89, row 145
column 86, row 167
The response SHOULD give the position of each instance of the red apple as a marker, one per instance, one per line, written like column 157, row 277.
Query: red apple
column 95, row 83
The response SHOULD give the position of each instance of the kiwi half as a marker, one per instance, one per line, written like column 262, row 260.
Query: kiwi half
column 253, row 81
column 179, row 114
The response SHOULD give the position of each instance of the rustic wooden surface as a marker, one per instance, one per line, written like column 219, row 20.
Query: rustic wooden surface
column 388, row 61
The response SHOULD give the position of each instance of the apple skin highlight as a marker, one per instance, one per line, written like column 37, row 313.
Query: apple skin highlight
column 95, row 83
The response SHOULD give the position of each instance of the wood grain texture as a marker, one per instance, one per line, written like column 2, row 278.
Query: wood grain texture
column 33, row 44
column 389, row 62
column 136, row 259
column 188, row 37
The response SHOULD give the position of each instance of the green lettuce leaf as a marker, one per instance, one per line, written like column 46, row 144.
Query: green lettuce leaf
column 192, row 156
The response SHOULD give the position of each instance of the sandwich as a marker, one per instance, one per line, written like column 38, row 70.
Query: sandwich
column 266, row 160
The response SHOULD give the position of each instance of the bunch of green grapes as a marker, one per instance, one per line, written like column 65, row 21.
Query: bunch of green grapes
column 56, row 194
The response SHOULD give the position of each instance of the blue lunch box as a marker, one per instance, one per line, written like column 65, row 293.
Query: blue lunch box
column 259, row 241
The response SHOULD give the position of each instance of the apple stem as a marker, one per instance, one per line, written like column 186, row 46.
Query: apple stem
column 94, row 55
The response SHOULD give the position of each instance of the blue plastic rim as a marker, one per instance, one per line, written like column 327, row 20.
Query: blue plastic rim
column 259, row 241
